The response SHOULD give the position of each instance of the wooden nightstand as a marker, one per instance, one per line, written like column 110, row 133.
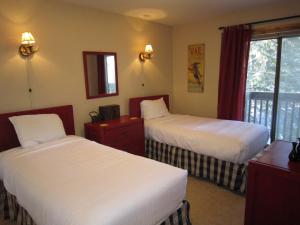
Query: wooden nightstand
column 273, row 189
column 125, row 133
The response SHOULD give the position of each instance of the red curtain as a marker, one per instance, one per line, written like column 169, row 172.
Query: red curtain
column 233, row 72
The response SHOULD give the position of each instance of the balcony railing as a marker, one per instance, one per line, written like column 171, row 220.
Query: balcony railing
column 259, row 107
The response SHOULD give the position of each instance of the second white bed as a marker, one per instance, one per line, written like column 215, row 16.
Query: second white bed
column 227, row 140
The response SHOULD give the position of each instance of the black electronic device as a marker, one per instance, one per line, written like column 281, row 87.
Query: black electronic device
column 109, row 112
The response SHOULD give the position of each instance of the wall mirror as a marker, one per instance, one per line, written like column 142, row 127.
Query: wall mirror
column 101, row 74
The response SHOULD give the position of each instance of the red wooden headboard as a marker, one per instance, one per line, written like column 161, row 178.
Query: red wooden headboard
column 134, row 103
column 8, row 136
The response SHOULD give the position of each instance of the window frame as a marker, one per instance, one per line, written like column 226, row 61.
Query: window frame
column 278, row 36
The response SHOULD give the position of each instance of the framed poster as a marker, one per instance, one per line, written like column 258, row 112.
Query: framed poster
column 196, row 68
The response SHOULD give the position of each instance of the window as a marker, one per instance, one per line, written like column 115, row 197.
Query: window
column 273, row 86
column 110, row 78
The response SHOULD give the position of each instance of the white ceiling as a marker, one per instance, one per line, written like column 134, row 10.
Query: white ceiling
column 173, row 12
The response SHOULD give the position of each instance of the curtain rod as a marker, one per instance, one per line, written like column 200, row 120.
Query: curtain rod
column 268, row 21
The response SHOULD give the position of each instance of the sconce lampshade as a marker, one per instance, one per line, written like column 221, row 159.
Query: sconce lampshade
column 27, row 47
column 27, row 38
column 148, row 48
column 147, row 54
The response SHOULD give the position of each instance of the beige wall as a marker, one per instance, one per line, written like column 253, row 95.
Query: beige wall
column 205, row 104
column 62, row 32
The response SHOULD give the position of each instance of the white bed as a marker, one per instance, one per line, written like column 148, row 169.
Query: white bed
column 76, row 181
column 232, row 141
column 212, row 149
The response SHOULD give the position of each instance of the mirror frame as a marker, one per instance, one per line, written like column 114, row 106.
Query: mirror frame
column 84, row 54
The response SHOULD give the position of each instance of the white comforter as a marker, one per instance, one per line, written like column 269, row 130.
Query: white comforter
column 228, row 140
column 74, row 181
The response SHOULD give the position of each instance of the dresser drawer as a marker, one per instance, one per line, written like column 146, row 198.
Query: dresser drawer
column 138, row 148
column 120, row 143
column 125, row 132
column 125, row 141
column 134, row 147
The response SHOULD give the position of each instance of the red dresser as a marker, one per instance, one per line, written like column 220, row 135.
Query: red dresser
column 273, row 191
column 126, row 133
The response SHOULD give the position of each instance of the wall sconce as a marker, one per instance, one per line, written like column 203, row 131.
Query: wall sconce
column 27, row 46
column 147, row 54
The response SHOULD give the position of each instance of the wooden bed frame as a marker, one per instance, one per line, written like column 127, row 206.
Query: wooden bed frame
column 134, row 103
column 8, row 136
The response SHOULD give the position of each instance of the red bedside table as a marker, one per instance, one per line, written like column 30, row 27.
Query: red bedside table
column 125, row 133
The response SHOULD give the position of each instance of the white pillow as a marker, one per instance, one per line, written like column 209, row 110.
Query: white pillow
column 151, row 109
column 37, row 129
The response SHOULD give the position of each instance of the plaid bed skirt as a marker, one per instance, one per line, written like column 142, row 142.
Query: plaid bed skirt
column 226, row 174
column 11, row 210
column 180, row 217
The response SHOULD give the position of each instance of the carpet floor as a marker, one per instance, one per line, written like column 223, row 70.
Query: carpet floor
column 210, row 205
column 213, row 205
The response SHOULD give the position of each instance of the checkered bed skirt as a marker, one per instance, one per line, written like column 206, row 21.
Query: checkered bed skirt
column 227, row 174
column 180, row 217
column 11, row 210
